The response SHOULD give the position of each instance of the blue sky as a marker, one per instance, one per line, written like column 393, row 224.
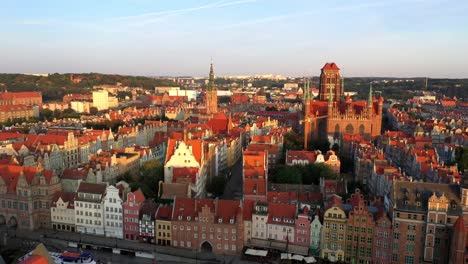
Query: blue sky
column 161, row 37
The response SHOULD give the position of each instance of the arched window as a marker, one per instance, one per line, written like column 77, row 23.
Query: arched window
column 361, row 129
column 349, row 129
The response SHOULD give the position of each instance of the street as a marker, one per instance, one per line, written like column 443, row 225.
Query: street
column 233, row 189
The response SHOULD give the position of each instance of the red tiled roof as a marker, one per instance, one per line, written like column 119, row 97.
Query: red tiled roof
column 75, row 174
column 164, row 213
column 96, row 188
column 66, row 197
column 11, row 95
column 227, row 210
column 254, row 186
column 11, row 173
column 330, row 66
column 282, row 212
column 248, row 209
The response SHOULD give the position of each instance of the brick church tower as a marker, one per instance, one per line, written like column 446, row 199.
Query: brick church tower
column 211, row 94
column 330, row 81
column 334, row 115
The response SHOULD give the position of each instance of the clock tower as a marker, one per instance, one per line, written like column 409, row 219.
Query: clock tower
column 211, row 94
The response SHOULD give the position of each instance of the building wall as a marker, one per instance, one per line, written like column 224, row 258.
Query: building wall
column 62, row 217
column 302, row 236
column 409, row 229
column 131, row 210
column 89, row 218
column 383, row 237
column 163, row 232
column 101, row 100
column 333, row 235
column 315, row 233
column 113, row 223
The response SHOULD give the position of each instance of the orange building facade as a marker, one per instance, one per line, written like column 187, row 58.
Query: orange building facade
column 334, row 114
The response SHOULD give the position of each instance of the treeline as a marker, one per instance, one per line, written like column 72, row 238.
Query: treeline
column 55, row 86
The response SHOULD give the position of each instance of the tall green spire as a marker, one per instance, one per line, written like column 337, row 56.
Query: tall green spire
column 211, row 85
column 306, row 90
column 369, row 100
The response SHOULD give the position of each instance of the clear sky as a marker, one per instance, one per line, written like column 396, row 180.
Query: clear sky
column 169, row 37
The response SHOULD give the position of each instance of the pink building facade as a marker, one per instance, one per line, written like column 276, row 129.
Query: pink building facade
column 131, row 209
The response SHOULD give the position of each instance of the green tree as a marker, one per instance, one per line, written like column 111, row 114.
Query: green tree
column 314, row 171
column 461, row 157
column 47, row 115
column 288, row 174
column 93, row 110
column 293, row 141
column 151, row 172
column 123, row 94
column 216, row 185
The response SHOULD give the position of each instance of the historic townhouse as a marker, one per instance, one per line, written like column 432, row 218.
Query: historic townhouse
column 67, row 143
column 104, row 138
column 359, row 231
column 255, row 175
column 163, row 225
column 62, row 211
column 208, row 225
column 332, row 245
column 26, row 194
column 423, row 214
column 302, row 228
column 131, row 211
column 281, row 222
column 383, row 237
column 113, row 222
column 260, row 220
column 315, row 235
column 89, row 213
column 146, row 221
column 185, row 163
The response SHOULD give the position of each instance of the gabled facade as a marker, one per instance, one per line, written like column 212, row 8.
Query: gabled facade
column 185, row 159
column 131, row 210
column 332, row 245
column 315, row 235
column 26, row 195
column 62, row 211
column 113, row 222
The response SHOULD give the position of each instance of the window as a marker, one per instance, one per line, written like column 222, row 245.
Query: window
column 409, row 259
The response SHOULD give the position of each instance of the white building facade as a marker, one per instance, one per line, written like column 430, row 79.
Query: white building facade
column 89, row 203
column 113, row 222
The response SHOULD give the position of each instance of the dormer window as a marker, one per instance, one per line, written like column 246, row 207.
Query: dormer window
column 180, row 217
column 231, row 221
column 188, row 218
column 220, row 220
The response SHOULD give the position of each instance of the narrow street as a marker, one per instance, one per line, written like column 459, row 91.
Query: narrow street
column 233, row 189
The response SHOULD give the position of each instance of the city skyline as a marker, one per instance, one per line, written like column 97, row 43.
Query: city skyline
column 244, row 37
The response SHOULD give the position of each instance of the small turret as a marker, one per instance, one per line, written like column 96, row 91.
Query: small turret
column 369, row 100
